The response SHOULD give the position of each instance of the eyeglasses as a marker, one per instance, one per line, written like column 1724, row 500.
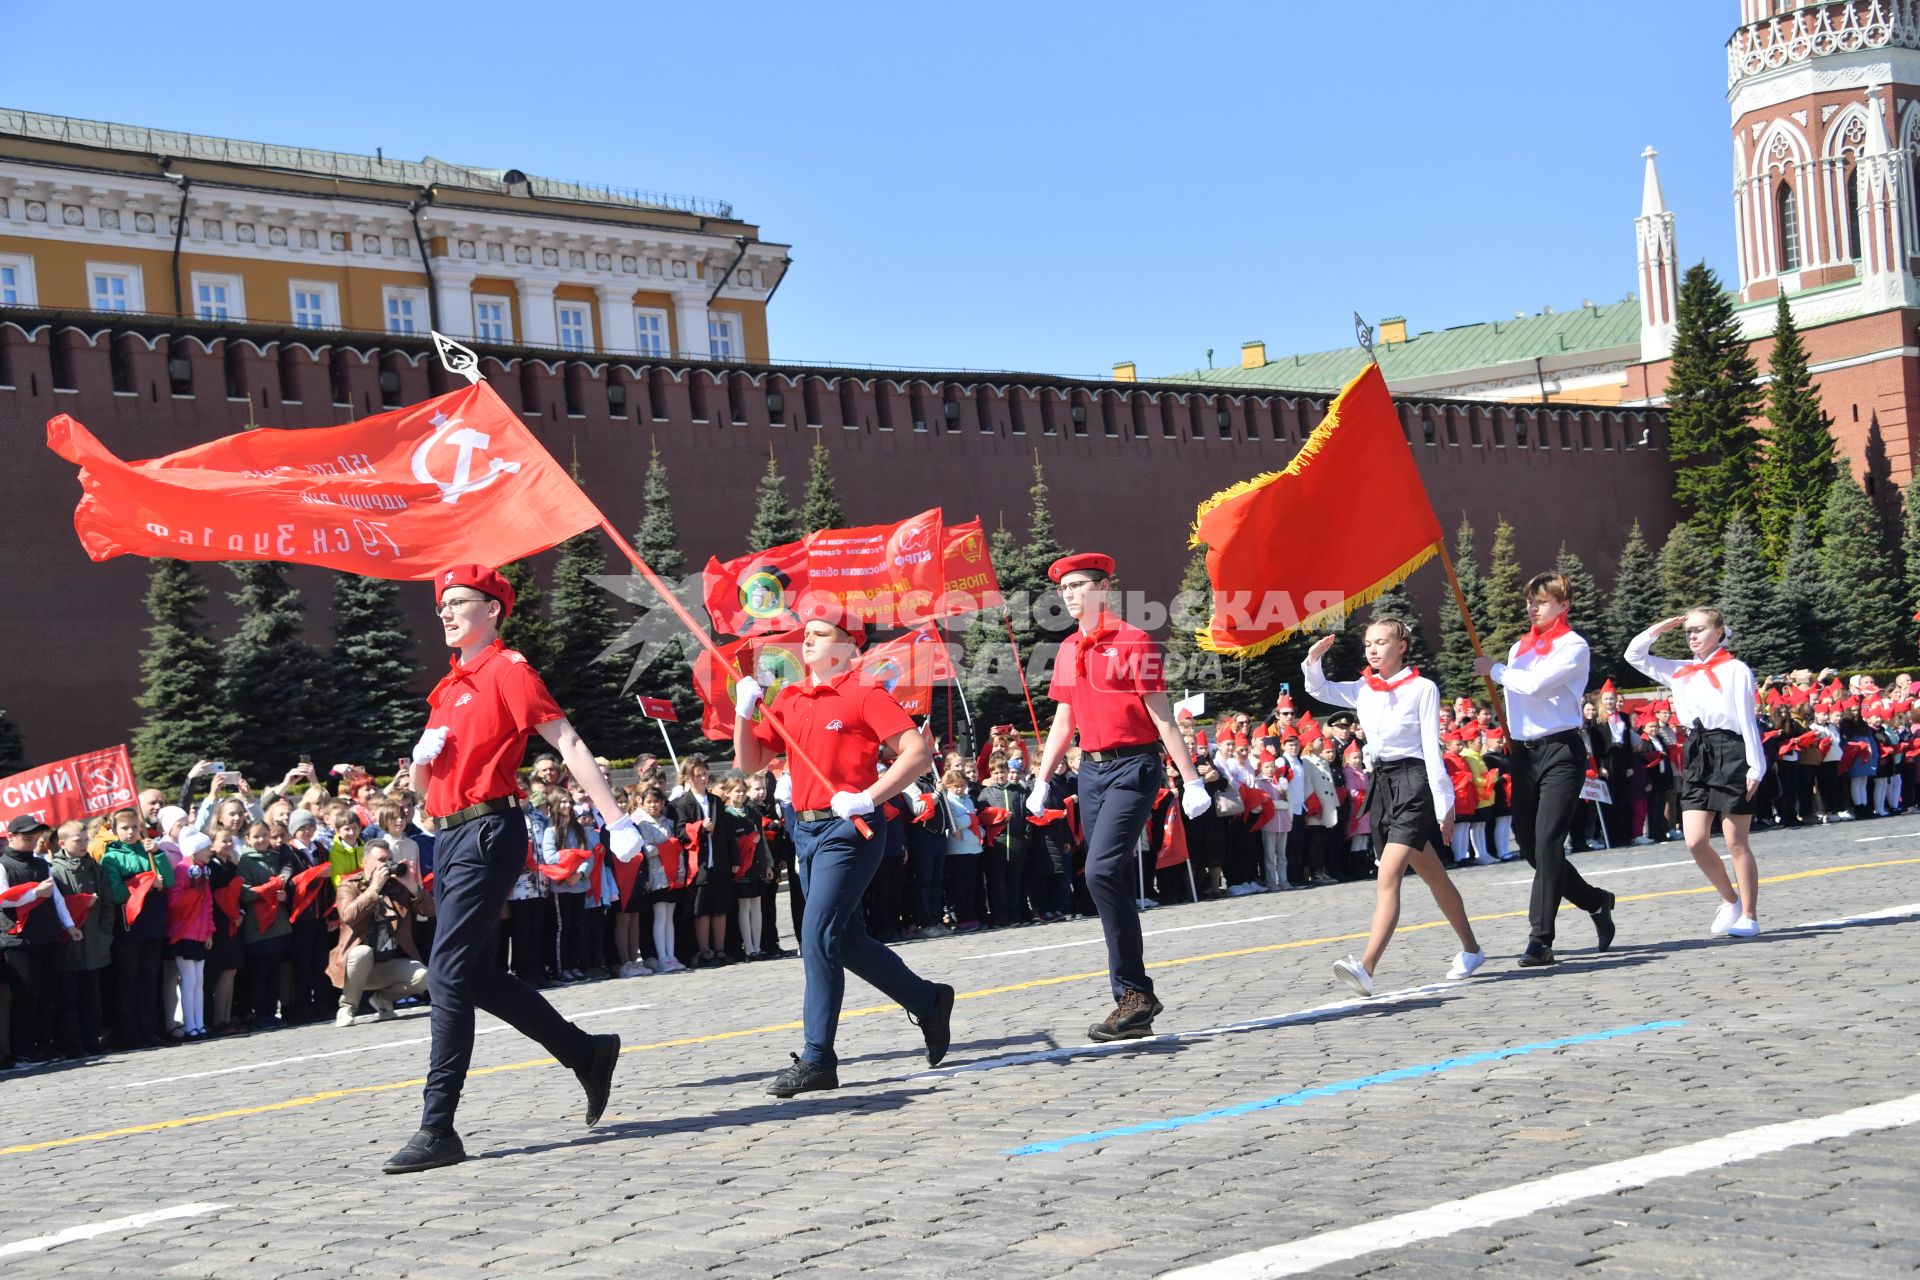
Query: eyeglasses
column 449, row 603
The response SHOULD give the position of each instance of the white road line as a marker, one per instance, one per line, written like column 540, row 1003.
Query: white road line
column 1885, row 913
column 1902, row 835
column 364, row 1048
column 1611, row 871
column 40, row 1244
column 1526, row 1198
column 1101, row 941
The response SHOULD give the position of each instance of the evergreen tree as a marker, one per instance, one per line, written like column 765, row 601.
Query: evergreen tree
column 1910, row 560
column 180, row 669
column 1049, row 615
column 584, row 624
column 371, row 716
column 1688, row 563
column 1636, row 603
column 1395, row 603
column 1869, row 621
column 1229, row 683
column 1713, row 396
column 987, row 668
column 820, row 506
column 269, row 690
column 1457, row 678
column 774, row 519
column 1583, row 601
column 1750, row 602
column 1503, row 591
column 668, row 672
column 13, row 746
column 1797, row 459
column 1807, row 600
column 526, row 630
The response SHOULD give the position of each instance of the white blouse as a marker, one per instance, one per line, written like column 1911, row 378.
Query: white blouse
column 1401, row 724
column 1544, row 690
column 1697, row 702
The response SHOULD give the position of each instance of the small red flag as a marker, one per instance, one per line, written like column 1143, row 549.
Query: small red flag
column 80, row 906
column 626, row 875
column 266, row 902
column 139, row 885
column 570, row 861
column 657, row 708
column 1173, row 839
column 306, row 887
column 227, row 898
column 20, row 900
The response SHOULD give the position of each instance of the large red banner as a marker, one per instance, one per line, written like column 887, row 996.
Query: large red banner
column 971, row 584
column 907, row 666
column 82, row 786
column 450, row 480
column 889, row 574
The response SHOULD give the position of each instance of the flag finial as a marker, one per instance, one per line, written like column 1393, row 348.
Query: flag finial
column 1363, row 334
column 456, row 359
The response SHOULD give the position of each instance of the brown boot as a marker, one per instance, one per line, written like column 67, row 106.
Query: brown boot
column 1131, row 1019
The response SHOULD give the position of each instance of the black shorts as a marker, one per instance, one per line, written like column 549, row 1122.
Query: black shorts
column 1400, row 807
column 1714, row 778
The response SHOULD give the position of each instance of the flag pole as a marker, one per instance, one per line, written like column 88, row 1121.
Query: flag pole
column 668, row 742
column 1039, row 744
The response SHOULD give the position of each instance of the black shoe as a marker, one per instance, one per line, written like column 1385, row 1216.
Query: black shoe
column 1538, row 955
column 1603, row 925
column 596, row 1077
column 938, row 1028
column 426, row 1150
column 802, row 1077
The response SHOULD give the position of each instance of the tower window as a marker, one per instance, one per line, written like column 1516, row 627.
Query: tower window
column 1789, row 218
column 1850, row 233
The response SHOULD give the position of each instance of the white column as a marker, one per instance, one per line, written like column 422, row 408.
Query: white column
column 616, row 317
column 690, row 325
column 538, row 328
column 455, row 290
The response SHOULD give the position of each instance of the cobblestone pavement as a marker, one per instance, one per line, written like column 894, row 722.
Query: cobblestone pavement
column 1327, row 1114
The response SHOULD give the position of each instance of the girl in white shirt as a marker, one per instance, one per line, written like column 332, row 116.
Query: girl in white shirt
column 1713, row 697
column 1410, row 805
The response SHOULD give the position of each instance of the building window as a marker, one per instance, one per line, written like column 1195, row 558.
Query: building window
column 723, row 336
column 1789, row 218
column 492, row 318
column 16, row 281
column 573, row 327
column 650, row 332
column 315, row 305
column 406, row 310
column 112, row 287
column 217, row 297
column 1850, row 236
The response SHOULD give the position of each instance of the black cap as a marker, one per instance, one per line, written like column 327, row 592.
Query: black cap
column 25, row 824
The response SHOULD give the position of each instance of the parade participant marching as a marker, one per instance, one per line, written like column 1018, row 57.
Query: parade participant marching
column 464, row 765
column 1109, row 684
column 839, row 720
column 1713, row 694
column 1545, row 677
column 1410, row 805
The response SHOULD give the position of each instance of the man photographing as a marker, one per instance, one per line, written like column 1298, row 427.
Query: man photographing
column 464, row 764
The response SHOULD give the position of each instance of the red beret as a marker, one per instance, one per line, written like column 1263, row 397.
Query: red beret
column 481, row 579
column 1090, row 561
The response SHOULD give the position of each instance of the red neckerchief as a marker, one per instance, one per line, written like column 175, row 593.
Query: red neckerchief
column 457, row 672
column 1089, row 641
column 1719, row 656
column 1378, row 685
column 1541, row 642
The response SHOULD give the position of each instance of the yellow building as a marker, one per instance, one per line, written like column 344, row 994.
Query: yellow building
column 109, row 217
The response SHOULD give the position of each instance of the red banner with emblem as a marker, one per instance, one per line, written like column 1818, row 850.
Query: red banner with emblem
column 884, row 574
column 399, row 495
column 971, row 583
column 82, row 786
column 906, row 666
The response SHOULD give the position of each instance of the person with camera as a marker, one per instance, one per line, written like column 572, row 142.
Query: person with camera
column 377, row 955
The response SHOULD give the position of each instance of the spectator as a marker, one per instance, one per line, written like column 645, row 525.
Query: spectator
column 78, row 969
column 963, row 851
column 376, row 955
column 139, row 875
column 190, row 929
column 30, row 928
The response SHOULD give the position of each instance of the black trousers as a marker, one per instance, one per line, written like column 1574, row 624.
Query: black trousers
column 311, row 996
column 963, row 886
column 77, row 992
column 29, row 971
column 263, row 976
column 1116, row 798
column 1006, row 884
column 1547, row 774
column 136, row 986
column 475, row 866
column 526, row 923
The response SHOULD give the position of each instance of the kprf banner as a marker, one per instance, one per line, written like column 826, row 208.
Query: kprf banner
column 82, row 786
column 886, row 574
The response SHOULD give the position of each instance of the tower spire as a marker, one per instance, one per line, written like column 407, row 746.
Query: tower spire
column 1652, row 200
column 1659, row 274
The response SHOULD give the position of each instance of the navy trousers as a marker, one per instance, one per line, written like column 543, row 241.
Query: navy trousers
column 1116, row 798
column 475, row 866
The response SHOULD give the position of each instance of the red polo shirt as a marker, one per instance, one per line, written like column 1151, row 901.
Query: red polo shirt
column 488, row 706
column 1102, row 676
column 839, row 725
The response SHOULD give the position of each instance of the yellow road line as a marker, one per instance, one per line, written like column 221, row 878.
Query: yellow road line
column 865, row 1011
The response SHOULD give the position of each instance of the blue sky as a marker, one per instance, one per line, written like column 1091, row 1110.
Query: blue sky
column 1038, row 186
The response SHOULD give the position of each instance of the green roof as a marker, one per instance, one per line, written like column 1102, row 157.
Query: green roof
column 1425, row 355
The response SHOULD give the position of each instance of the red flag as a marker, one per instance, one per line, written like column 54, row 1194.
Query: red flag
column 398, row 495
column 80, row 906
column 139, row 885
column 657, row 708
column 1258, row 804
column 626, row 875
column 890, row 574
column 20, row 900
column 79, row 787
column 1262, row 592
column 971, row 584
column 773, row 660
column 571, row 860
column 1173, row 839
column 227, row 898
column 306, row 887
column 908, row 667
column 744, row 848
column 995, row 820
column 1047, row 817
column 183, row 901
column 266, row 902
column 756, row 593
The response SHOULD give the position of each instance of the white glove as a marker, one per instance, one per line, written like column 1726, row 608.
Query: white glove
column 623, row 837
column 428, row 749
column 746, row 696
column 851, row 804
column 1037, row 802
column 783, row 789
column 1195, row 799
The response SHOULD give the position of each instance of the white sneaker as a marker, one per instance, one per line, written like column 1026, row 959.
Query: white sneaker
column 1724, row 918
column 344, row 1018
column 1354, row 974
column 634, row 969
column 1639, row 840
column 1464, row 963
column 383, row 1008
column 1744, row 927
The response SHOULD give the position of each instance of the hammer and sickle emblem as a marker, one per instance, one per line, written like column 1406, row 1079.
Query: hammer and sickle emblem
column 469, row 442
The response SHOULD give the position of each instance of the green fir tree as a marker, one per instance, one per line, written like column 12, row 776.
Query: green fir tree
column 774, row 519
column 1797, row 457
column 1910, row 562
column 1049, row 622
column 1688, row 565
column 1457, row 677
column 987, row 669
column 371, row 717
column 1636, row 602
column 1502, row 591
column 1807, row 600
column 273, row 688
column 584, row 624
column 1869, row 621
column 180, row 718
column 1229, row 683
column 1713, row 396
column 820, row 505
column 670, row 650
column 526, row 630
column 1583, row 602
column 1750, row 603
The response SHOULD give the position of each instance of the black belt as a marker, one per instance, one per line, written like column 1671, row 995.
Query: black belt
column 1572, row 734
column 1121, row 753
column 815, row 815
column 481, row 810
